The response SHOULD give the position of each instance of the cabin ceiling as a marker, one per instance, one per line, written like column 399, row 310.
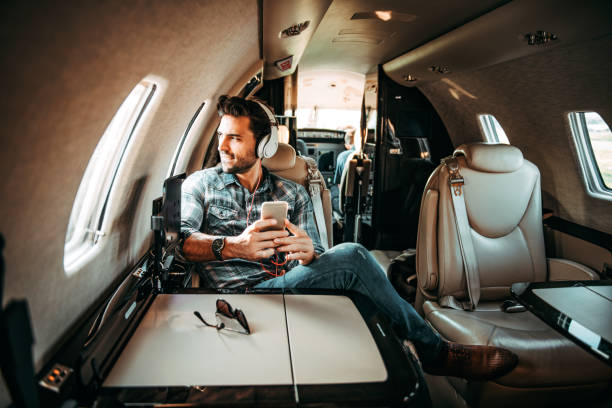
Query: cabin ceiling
column 352, row 37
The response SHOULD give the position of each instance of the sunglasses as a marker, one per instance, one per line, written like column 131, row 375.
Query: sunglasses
column 227, row 318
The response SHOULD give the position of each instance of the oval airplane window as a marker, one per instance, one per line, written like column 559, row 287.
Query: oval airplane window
column 493, row 131
column 593, row 140
column 91, row 199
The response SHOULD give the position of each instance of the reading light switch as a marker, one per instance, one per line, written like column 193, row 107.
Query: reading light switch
column 54, row 379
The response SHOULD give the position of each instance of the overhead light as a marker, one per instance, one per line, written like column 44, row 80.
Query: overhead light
column 383, row 15
column 540, row 37
column 410, row 78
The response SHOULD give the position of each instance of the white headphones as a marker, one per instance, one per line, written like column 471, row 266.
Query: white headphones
column 268, row 145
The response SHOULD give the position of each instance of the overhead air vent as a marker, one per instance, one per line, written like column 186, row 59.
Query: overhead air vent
column 439, row 69
column 351, row 35
column 367, row 33
column 384, row 15
column 539, row 38
column 363, row 40
column 294, row 30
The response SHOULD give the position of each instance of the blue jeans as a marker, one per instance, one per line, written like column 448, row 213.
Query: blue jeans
column 351, row 267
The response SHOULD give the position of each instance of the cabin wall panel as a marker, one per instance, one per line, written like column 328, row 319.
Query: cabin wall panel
column 65, row 68
column 531, row 97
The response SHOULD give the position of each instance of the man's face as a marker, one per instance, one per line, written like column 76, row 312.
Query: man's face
column 236, row 144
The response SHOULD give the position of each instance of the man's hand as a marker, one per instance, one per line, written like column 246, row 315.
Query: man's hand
column 299, row 245
column 254, row 244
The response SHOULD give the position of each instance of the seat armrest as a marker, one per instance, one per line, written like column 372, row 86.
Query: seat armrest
column 565, row 270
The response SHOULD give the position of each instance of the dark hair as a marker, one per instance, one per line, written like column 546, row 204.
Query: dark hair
column 235, row 106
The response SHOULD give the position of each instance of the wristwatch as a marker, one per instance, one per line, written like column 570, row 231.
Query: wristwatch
column 217, row 246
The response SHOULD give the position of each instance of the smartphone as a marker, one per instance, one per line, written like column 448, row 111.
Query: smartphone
column 276, row 210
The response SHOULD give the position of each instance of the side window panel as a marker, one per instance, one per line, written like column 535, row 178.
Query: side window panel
column 594, row 147
column 84, row 228
column 493, row 131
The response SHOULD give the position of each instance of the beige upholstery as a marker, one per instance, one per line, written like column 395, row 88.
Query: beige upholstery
column 564, row 270
column 346, row 179
column 283, row 159
column 286, row 164
column 502, row 197
column 492, row 158
column 504, row 210
column 384, row 257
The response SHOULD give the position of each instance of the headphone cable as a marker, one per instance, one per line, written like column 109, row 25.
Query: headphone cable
column 276, row 264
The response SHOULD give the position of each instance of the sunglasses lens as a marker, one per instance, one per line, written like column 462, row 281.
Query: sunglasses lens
column 224, row 308
column 230, row 319
column 242, row 320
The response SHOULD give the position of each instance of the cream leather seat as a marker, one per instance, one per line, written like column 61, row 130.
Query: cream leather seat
column 502, row 199
column 352, row 196
column 345, row 179
column 285, row 163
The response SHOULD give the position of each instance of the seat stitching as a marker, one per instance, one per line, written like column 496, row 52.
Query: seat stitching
column 533, row 278
column 491, row 335
column 493, row 324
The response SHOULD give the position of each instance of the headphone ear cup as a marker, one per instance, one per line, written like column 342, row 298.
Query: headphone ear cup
column 261, row 146
column 271, row 145
column 268, row 145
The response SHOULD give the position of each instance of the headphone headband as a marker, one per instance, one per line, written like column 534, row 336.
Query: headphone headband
column 268, row 112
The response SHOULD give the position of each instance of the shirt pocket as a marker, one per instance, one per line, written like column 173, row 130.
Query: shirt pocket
column 221, row 220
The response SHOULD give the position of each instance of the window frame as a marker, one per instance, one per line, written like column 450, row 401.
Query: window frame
column 179, row 147
column 85, row 226
column 591, row 174
column 487, row 123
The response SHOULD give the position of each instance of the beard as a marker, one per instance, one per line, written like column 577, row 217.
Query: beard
column 239, row 165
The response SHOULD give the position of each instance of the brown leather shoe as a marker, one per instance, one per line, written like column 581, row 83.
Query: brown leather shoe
column 472, row 362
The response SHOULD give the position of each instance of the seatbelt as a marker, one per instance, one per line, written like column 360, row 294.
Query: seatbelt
column 315, row 186
column 468, row 255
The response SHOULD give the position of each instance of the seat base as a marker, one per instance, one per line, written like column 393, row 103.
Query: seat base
column 459, row 393
column 546, row 358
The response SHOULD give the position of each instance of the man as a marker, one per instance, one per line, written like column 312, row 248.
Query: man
column 349, row 140
column 223, row 232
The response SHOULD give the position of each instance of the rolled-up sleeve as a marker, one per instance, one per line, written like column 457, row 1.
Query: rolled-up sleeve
column 303, row 217
column 192, row 207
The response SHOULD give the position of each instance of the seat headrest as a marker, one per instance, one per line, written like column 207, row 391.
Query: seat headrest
column 491, row 158
column 283, row 159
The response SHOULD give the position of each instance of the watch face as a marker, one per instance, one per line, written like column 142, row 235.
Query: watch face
column 217, row 247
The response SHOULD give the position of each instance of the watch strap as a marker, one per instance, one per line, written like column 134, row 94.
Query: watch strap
column 217, row 246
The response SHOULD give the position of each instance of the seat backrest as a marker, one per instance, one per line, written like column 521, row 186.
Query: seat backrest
column 503, row 202
column 347, row 179
column 287, row 165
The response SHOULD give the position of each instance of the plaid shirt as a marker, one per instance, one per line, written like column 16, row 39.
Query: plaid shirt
column 215, row 203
